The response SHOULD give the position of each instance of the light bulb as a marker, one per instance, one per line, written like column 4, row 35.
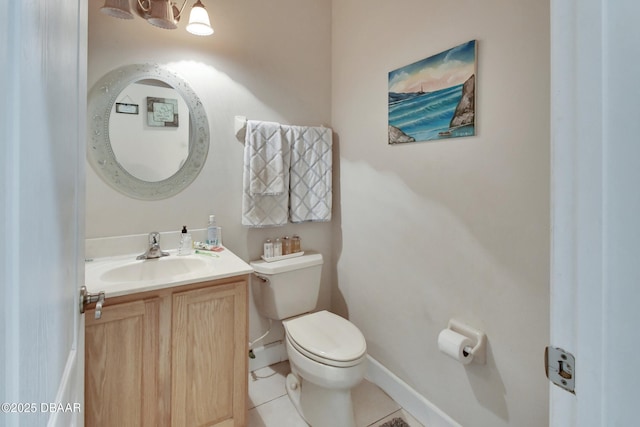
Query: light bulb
column 199, row 23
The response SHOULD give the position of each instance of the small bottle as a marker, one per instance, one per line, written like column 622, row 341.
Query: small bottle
column 295, row 244
column 186, row 247
column 212, row 231
column 286, row 245
column 277, row 247
column 268, row 249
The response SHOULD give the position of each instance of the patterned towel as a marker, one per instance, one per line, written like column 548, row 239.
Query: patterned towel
column 310, row 185
column 278, row 158
column 265, row 199
column 265, row 142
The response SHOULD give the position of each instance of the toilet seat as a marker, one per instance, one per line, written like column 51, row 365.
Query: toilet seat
column 327, row 338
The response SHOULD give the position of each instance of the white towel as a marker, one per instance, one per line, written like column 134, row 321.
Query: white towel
column 310, row 185
column 265, row 141
column 265, row 198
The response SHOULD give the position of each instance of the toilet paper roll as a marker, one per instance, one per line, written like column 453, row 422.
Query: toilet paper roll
column 452, row 344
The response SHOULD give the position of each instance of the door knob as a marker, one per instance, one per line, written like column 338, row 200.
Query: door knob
column 89, row 298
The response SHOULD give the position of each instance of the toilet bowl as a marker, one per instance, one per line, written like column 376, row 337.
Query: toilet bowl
column 326, row 352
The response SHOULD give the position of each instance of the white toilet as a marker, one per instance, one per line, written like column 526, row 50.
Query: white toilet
column 327, row 353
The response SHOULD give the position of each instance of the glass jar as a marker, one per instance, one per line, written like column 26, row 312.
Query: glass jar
column 295, row 244
column 286, row 245
column 268, row 249
column 277, row 247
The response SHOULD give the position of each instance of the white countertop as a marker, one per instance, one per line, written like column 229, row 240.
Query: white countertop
column 124, row 275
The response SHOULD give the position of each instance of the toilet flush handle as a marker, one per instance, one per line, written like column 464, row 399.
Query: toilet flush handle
column 265, row 280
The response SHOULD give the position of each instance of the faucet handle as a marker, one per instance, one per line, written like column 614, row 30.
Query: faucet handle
column 154, row 238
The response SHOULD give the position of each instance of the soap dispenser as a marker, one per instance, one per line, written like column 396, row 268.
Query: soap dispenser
column 186, row 247
column 212, row 232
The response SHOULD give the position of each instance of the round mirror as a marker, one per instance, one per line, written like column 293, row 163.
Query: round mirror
column 148, row 131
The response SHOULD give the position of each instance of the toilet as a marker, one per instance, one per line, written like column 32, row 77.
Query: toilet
column 327, row 353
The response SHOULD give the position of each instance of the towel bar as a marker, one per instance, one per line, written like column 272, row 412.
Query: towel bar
column 240, row 127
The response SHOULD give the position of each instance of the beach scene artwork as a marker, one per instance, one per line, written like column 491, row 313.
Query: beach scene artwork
column 434, row 98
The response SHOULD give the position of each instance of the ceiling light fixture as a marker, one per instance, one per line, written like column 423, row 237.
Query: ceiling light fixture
column 199, row 23
column 117, row 8
column 162, row 13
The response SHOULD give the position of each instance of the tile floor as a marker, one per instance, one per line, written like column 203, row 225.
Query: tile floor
column 270, row 406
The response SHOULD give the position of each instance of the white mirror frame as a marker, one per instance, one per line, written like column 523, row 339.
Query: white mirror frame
column 100, row 153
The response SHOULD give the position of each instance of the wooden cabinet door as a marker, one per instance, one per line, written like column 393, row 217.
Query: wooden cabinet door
column 127, row 365
column 209, row 348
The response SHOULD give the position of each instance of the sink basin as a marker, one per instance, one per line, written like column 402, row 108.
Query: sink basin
column 124, row 274
column 165, row 268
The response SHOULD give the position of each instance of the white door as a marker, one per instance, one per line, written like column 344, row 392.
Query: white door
column 42, row 132
column 595, row 283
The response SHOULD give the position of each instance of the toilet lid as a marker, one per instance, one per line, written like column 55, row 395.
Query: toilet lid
column 327, row 336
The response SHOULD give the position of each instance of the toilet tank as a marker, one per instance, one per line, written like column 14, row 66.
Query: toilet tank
column 288, row 287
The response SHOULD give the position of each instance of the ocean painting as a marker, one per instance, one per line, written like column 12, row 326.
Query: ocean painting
column 434, row 98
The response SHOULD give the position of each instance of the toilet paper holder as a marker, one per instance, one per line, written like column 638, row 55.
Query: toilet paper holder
column 478, row 339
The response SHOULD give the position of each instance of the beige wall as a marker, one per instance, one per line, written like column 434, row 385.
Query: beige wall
column 422, row 232
column 453, row 229
column 266, row 61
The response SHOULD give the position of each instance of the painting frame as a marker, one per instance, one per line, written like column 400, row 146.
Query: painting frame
column 434, row 98
column 162, row 112
column 125, row 108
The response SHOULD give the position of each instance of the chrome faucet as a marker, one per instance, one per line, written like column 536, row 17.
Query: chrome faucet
column 154, row 250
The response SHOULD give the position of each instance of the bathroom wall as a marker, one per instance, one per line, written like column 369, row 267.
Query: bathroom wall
column 265, row 61
column 460, row 228
column 422, row 232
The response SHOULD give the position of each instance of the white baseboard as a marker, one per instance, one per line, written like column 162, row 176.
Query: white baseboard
column 269, row 354
column 420, row 408
column 411, row 401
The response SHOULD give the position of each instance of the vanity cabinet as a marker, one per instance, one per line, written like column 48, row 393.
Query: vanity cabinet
column 126, row 364
column 172, row 357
